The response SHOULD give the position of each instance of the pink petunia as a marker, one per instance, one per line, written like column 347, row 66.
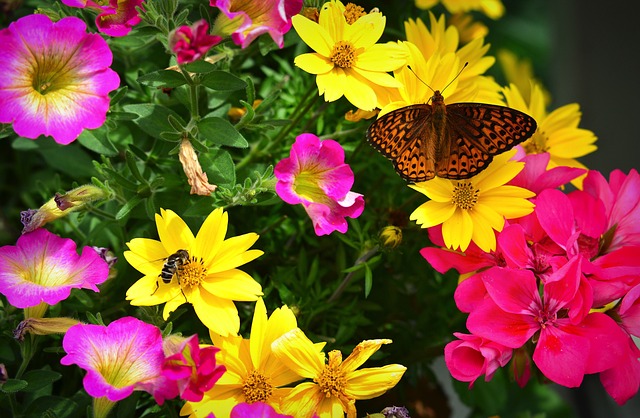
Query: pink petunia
column 188, row 370
column 119, row 358
column 190, row 43
column 316, row 176
column 116, row 18
column 43, row 267
column 471, row 357
column 54, row 78
column 245, row 20
column 255, row 410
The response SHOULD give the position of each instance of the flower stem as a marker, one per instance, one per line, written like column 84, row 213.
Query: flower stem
column 28, row 349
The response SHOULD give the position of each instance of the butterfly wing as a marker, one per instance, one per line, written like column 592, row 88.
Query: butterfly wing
column 403, row 137
column 475, row 133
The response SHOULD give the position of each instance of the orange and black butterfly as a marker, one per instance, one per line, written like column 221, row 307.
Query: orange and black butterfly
column 455, row 141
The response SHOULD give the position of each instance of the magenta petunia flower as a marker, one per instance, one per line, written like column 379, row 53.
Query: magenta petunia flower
column 471, row 357
column 316, row 176
column 54, row 78
column 190, row 43
column 122, row 357
column 188, row 370
column 245, row 20
column 255, row 410
column 117, row 17
column 43, row 267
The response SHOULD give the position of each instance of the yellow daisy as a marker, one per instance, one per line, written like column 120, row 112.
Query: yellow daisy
column 435, row 58
column 492, row 8
column 469, row 210
column 253, row 373
column 557, row 133
column 335, row 385
column 206, row 276
column 347, row 60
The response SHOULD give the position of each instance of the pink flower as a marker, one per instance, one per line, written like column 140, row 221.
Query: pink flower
column 568, row 346
column 190, row 43
column 536, row 177
column 316, row 176
column 255, row 410
column 54, row 78
column 122, row 357
column 245, row 20
column 471, row 357
column 117, row 17
column 623, row 380
column 188, row 371
column 43, row 267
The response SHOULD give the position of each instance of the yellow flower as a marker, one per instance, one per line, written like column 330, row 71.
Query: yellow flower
column 557, row 133
column 208, row 278
column 253, row 373
column 337, row 384
column 520, row 72
column 347, row 60
column 492, row 8
column 468, row 28
column 436, row 59
column 469, row 210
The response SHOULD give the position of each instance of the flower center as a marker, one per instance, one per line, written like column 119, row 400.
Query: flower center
column 257, row 387
column 192, row 273
column 306, row 186
column 343, row 54
column 537, row 144
column 332, row 381
column 464, row 195
column 353, row 12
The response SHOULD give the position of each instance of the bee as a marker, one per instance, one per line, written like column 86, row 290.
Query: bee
column 172, row 265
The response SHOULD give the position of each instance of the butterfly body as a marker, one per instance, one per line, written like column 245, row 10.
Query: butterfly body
column 455, row 141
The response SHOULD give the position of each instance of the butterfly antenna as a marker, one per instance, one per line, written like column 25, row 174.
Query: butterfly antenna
column 454, row 78
column 421, row 80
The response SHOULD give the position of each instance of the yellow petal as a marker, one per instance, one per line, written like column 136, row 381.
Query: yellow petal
column 365, row 31
column 313, row 63
column 173, row 232
column 143, row 292
column 360, row 93
column 233, row 285
column 258, row 333
column 377, row 78
column 437, row 189
column 332, row 20
column 299, row 353
column 332, row 84
column 217, row 314
column 361, row 353
column 457, row 230
column 233, row 253
column 432, row 213
column 313, row 35
column 372, row 382
column 382, row 57
column 303, row 401
column 211, row 235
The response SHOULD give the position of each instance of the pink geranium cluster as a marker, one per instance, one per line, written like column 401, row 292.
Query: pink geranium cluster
column 535, row 297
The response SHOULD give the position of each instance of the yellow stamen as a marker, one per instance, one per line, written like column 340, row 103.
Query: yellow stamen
column 353, row 12
column 257, row 387
column 332, row 381
column 537, row 144
column 464, row 195
column 343, row 54
column 192, row 273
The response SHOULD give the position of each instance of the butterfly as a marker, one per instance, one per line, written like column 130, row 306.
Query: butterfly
column 455, row 141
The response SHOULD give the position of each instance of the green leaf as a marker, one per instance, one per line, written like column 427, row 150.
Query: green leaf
column 13, row 385
column 39, row 379
column 220, row 131
column 219, row 167
column 98, row 142
column 128, row 207
column 163, row 78
column 199, row 66
column 51, row 406
column 153, row 119
column 368, row 280
column 222, row 81
column 24, row 144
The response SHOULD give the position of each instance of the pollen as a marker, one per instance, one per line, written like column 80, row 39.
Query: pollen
column 192, row 273
column 343, row 54
column 353, row 12
column 332, row 380
column 465, row 196
column 538, row 143
column 257, row 387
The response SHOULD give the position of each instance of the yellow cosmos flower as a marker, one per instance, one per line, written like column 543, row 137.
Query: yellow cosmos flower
column 557, row 133
column 208, row 278
column 347, row 60
column 520, row 72
column 253, row 373
column 337, row 384
column 436, row 59
column 469, row 210
column 492, row 8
